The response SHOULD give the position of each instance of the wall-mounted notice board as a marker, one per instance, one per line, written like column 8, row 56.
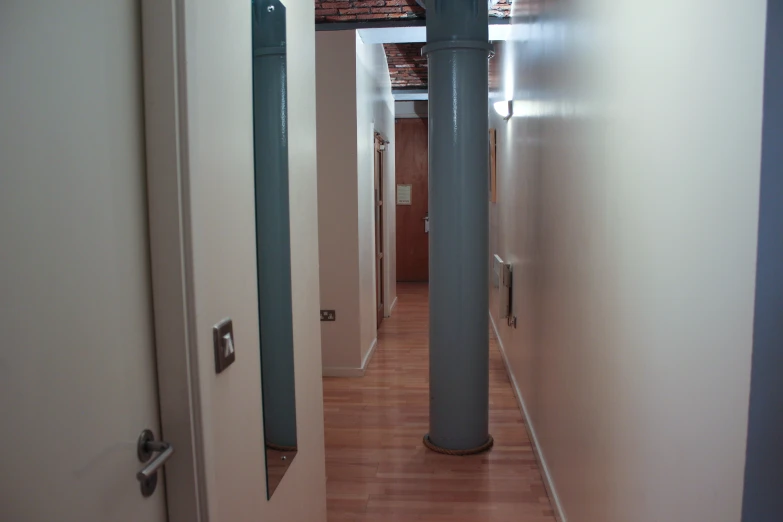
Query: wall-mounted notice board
column 403, row 194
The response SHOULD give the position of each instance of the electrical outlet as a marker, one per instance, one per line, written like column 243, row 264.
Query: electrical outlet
column 328, row 315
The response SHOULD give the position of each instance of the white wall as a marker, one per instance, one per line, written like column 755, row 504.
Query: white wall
column 338, row 227
column 220, row 157
column 628, row 190
column 411, row 109
column 354, row 100
column 375, row 112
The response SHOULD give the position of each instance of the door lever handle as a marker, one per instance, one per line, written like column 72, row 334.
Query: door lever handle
column 146, row 448
column 166, row 451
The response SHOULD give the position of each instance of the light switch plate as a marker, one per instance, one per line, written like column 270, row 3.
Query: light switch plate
column 223, row 339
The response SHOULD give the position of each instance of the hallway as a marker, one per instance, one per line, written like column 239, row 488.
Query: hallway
column 377, row 468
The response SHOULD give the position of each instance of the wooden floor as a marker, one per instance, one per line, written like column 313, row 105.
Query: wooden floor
column 377, row 468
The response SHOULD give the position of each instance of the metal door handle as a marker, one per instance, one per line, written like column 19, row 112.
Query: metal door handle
column 166, row 451
column 146, row 448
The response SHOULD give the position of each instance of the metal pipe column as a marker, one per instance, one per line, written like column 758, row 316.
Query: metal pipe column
column 273, row 236
column 457, row 49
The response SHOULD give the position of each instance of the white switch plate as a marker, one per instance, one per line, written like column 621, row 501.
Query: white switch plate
column 223, row 339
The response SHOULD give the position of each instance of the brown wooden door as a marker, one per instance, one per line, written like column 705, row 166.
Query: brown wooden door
column 379, row 290
column 413, row 254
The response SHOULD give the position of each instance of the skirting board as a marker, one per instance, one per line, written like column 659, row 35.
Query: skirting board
column 352, row 372
column 548, row 482
column 342, row 372
column 391, row 308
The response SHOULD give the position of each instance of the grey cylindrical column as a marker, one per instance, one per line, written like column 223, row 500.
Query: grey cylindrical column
column 273, row 238
column 457, row 48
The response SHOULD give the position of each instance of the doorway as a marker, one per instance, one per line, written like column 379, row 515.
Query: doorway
column 380, row 148
column 412, row 199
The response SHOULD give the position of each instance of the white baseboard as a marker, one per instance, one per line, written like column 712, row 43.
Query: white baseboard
column 391, row 308
column 368, row 356
column 334, row 371
column 548, row 482
column 352, row 372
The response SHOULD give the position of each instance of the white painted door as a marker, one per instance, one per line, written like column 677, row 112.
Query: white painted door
column 77, row 361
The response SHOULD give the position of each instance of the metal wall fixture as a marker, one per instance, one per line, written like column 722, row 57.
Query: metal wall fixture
column 503, row 280
column 508, row 292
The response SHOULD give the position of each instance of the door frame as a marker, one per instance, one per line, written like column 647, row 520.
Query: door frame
column 379, row 148
column 168, row 207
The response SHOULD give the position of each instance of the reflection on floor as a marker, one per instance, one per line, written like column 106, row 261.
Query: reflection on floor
column 377, row 468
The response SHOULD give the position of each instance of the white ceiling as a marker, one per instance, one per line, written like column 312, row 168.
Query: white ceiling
column 409, row 96
column 418, row 34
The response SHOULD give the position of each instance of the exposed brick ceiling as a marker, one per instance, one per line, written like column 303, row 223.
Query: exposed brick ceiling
column 502, row 9
column 331, row 11
column 407, row 67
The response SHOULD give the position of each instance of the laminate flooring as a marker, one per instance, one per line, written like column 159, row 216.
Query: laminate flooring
column 377, row 467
